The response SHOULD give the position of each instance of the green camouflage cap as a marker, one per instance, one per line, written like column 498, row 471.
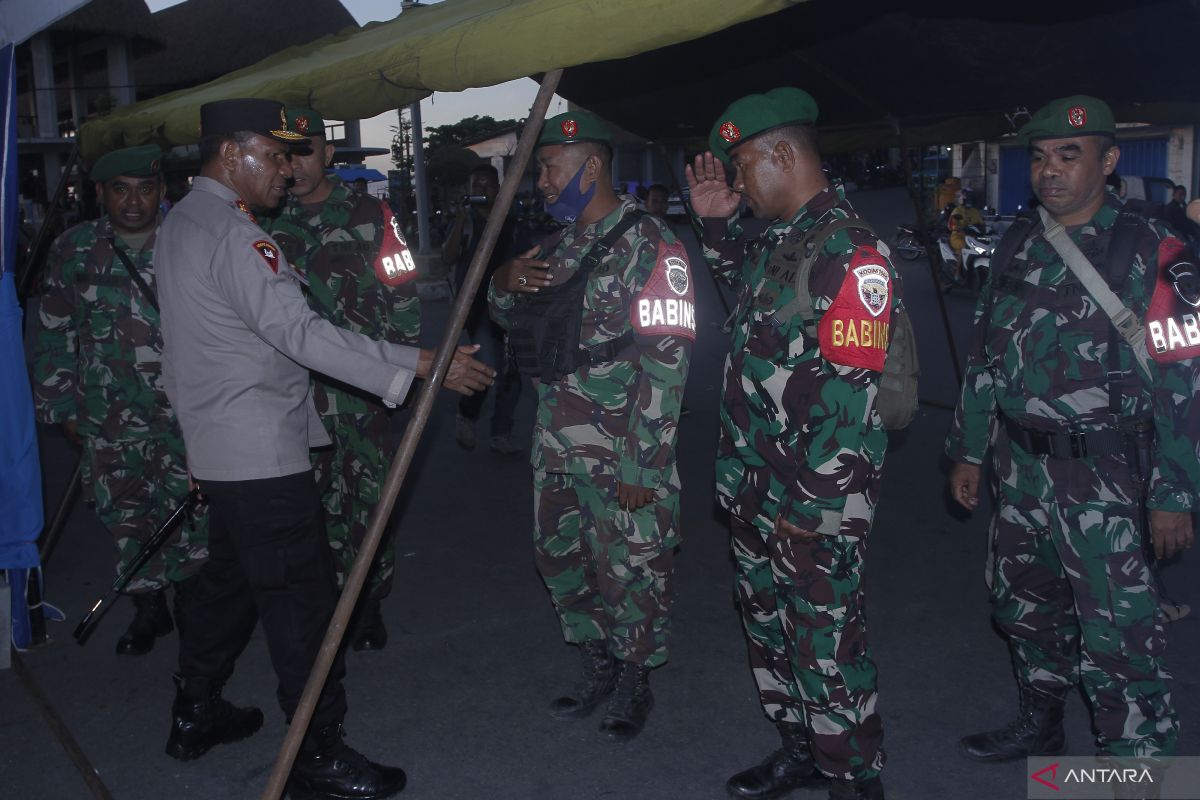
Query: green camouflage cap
column 305, row 121
column 144, row 161
column 759, row 113
column 1077, row 115
column 572, row 127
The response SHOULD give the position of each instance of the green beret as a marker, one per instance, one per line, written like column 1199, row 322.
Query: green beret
column 572, row 127
column 1077, row 115
column 759, row 113
column 305, row 121
column 136, row 162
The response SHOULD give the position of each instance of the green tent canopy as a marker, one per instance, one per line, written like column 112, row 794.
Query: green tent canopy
column 446, row 47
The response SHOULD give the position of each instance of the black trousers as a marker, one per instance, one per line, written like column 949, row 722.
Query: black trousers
column 268, row 559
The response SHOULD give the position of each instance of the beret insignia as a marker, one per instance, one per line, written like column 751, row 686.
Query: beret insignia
column 730, row 132
column 1077, row 116
column 302, row 124
column 569, row 128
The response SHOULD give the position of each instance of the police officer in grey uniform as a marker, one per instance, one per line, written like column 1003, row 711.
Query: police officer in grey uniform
column 239, row 339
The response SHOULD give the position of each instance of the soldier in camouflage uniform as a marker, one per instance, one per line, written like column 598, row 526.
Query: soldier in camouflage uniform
column 1070, row 583
column 802, row 446
column 606, row 486
column 97, row 370
column 361, row 276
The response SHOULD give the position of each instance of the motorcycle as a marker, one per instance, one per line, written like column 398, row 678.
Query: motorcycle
column 977, row 259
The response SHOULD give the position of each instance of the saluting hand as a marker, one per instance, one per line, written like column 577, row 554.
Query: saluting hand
column 524, row 273
column 709, row 194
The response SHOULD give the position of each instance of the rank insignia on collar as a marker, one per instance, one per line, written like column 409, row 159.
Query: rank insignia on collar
column 569, row 128
column 269, row 253
column 1077, row 116
column 245, row 209
column 729, row 132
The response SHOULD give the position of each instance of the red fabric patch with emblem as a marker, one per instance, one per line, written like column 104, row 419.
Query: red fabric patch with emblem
column 1173, row 319
column 855, row 331
column 302, row 124
column 1077, row 117
column 394, row 265
column 666, row 305
column 269, row 253
column 729, row 132
column 569, row 128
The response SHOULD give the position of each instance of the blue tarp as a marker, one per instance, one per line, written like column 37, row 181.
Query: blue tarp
column 20, row 474
column 349, row 174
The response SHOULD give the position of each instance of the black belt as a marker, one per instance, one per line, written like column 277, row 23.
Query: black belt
column 1090, row 444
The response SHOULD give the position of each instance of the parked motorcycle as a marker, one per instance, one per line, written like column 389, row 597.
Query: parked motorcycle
column 977, row 259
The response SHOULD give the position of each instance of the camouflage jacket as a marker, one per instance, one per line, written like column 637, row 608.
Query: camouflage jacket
column 1043, row 362
column 800, row 437
column 618, row 418
column 97, row 356
column 359, row 277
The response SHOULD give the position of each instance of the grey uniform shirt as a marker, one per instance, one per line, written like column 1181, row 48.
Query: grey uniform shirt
column 239, row 339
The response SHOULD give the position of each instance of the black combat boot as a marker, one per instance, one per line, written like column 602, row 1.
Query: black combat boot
column 1037, row 730
column 790, row 767
column 369, row 632
column 326, row 767
column 204, row 719
column 630, row 703
column 151, row 619
column 596, row 682
column 861, row 789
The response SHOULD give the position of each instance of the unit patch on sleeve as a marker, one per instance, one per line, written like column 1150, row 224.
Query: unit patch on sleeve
column 1173, row 320
column 269, row 253
column 394, row 265
column 666, row 306
column 854, row 332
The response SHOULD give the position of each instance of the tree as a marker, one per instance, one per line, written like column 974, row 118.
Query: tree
column 439, row 137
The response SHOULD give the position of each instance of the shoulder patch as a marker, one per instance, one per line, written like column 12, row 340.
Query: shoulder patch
column 1173, row 319
column 394, row 265
column 855, row 330
column 666, row 306
column 269, row 253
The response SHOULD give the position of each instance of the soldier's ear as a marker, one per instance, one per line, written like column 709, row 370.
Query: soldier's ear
column 784, row 156
column 229, row 153
column 329, row 149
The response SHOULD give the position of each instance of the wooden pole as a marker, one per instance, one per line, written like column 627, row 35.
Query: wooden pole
column 408, row 445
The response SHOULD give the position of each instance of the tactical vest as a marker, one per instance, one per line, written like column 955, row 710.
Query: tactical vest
column 544, row 327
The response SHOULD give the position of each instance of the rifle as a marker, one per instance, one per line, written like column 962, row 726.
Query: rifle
column 88, row 624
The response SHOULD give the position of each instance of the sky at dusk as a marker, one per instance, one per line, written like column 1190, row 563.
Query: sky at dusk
column 505, row 101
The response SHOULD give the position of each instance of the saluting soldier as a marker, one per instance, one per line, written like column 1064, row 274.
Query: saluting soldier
column 603, row 318
column 361, row 276
column 802, row 444
column 1084, row 427
column 97, row 371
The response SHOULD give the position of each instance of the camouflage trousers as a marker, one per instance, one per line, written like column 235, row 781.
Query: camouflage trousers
column 1072, row 591
column 136, row 485
column 802, row 609
column 350, row 475
column 609, row 571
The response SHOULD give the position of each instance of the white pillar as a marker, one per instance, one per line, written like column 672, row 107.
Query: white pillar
column 120, row 77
